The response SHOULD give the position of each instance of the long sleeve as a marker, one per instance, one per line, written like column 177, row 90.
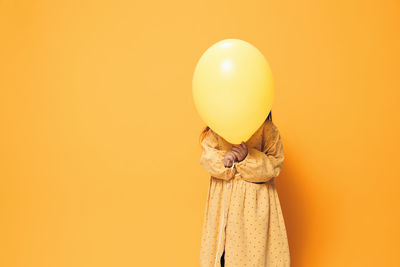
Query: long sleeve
column 212, row 158
column 261, row 166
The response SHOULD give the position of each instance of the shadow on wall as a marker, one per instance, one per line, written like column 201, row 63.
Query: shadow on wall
column 295, row 208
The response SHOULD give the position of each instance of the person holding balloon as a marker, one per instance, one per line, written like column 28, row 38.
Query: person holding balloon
column 242, row 151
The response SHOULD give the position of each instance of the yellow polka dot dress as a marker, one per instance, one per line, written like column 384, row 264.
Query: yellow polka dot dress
column 243, row 216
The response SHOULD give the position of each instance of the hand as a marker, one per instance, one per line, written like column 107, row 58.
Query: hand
column 240, row 151
column 229, row 159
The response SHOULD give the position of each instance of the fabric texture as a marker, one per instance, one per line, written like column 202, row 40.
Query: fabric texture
column 243, row 217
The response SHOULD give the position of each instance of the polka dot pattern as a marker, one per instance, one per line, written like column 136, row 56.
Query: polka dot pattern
column 243, row 217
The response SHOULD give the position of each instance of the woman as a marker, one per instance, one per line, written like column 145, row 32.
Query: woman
column 243, row 222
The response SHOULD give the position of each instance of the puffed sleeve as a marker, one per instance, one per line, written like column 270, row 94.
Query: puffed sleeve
column 261, row 166
column 212, row 158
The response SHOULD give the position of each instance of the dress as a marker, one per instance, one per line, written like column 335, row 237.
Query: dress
column 243, row 216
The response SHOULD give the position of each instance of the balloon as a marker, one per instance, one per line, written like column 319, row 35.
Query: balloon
column 233, row 89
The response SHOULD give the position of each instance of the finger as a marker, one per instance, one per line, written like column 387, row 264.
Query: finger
column 237, row 155
column 226, row 158
column 243, row 145
column 229, row 164
column 245, row 149
column 240, row 151
column 234, row 157
column 235, row 149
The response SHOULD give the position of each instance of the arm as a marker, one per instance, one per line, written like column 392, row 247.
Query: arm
column 212, row 159
column 261, row 166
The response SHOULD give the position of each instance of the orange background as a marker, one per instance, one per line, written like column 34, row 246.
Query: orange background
column 99, row 153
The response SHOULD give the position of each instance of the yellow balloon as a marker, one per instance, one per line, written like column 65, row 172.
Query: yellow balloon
column 233, row 89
